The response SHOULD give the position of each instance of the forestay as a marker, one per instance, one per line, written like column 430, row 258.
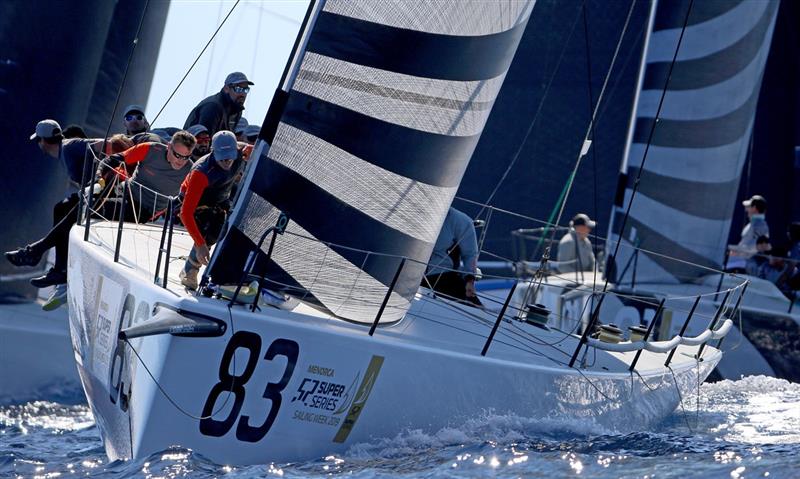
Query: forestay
column 388, row 103
column 699, row 145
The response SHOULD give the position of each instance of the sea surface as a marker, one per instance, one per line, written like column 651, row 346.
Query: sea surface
column 735, row 429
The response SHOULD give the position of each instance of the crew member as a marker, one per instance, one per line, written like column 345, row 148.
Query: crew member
column 454, row 261
column 575, row 250
column 222, row 110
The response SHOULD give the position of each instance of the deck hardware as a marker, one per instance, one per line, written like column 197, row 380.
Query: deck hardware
column 735, row 309
column 648, row 333
column 388, row 295
column 683, row 329
column 587, row 331
column 499, row 318
column 714, row 321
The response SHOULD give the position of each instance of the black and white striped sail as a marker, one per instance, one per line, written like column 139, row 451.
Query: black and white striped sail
column 689, row 184
column 388, row 103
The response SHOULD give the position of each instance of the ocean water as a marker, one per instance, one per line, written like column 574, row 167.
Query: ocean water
column 734, row 429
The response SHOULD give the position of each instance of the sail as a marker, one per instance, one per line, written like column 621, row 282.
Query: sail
column 387, row 105
column 700, row 142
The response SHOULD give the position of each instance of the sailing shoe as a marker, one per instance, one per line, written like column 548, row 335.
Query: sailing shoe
column 56, row 299
column 24, row 256
column 189, row 278
column 51, row 278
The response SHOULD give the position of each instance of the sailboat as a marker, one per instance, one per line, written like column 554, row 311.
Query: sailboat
column 687, row 185
column 358, row 160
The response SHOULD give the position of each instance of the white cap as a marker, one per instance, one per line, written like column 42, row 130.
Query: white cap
column 46, row 129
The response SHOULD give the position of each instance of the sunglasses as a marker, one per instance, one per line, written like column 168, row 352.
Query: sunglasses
column 241, row 89
column 203, row 141
column 178, row 155
column 139, row 117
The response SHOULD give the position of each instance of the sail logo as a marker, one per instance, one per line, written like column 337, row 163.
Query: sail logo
column 360, row 399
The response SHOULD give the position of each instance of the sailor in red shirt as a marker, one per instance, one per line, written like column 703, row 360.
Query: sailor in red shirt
column 206, row 199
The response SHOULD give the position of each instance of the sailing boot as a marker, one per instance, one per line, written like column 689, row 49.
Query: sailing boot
column 57, row 298
column 53, row 277
column 26, row 256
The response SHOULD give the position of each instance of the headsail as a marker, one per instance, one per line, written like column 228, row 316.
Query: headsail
column 688, row 187
column 387, row 105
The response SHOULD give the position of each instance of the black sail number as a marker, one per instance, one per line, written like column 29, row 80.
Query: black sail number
column 280, row 347
column 236, row 385
column 231, row 383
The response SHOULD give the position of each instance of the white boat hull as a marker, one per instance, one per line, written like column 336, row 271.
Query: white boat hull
column 306, row 385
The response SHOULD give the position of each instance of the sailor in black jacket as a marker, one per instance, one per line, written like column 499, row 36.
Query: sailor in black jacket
column 222, row 110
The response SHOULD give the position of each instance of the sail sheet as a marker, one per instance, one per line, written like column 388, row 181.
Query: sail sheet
column 386, row 108
column 700, row 140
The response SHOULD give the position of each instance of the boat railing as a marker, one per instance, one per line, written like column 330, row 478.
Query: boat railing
column 507, row 311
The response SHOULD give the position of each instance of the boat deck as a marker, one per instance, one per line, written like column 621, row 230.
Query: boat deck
column 431, row 322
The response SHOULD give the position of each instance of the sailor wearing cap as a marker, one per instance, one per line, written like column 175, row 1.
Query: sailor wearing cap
column 134, row 120
column 756, row 209
column 222, row 110
column 575, row 250
column 206, row 199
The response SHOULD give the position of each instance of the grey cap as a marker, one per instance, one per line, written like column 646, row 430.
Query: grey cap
column 224, row 145
column 237, row 77
column 197, row 129
column 582, row 219
column 46, row 129
column 240, row 125
column 164, row 134
column 252, row 130
column 131, row 108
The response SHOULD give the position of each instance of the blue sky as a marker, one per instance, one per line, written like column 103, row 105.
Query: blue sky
column 256, row 39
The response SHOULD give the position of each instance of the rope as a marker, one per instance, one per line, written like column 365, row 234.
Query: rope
column 196, row 60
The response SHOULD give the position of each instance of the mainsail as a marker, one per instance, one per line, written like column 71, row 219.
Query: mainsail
column 700, row 141
column 374, row 135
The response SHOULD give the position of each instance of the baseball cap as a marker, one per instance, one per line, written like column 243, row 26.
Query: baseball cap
column 132, row 108
column 46, row 129
column 197, row 129
column 757, row 201
column 224, row 145
column 240, row 125
column 252, row 130
column 582, row 219
column 237, row 77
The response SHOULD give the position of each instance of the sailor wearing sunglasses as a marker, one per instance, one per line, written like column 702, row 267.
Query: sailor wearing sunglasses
column 222, row 110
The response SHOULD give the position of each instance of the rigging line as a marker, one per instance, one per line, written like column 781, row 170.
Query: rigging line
column 650, row 137
column 125, row 75
column 535, row 118
column 593, row 133
column 195, row 61
column 593, row 119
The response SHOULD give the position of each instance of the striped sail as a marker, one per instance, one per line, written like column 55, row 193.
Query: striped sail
column 386, row 108
column 688, row 187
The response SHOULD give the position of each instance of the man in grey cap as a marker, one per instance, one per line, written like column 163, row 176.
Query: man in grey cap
column 222, row 110
column 241, row 126
column 134, row 120
column 575, row 250
column 251, row 134
column 206, row 200
column 203, row 145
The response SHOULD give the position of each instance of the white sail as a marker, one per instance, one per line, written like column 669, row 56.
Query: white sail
column 695, row 154
column 385, row 110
